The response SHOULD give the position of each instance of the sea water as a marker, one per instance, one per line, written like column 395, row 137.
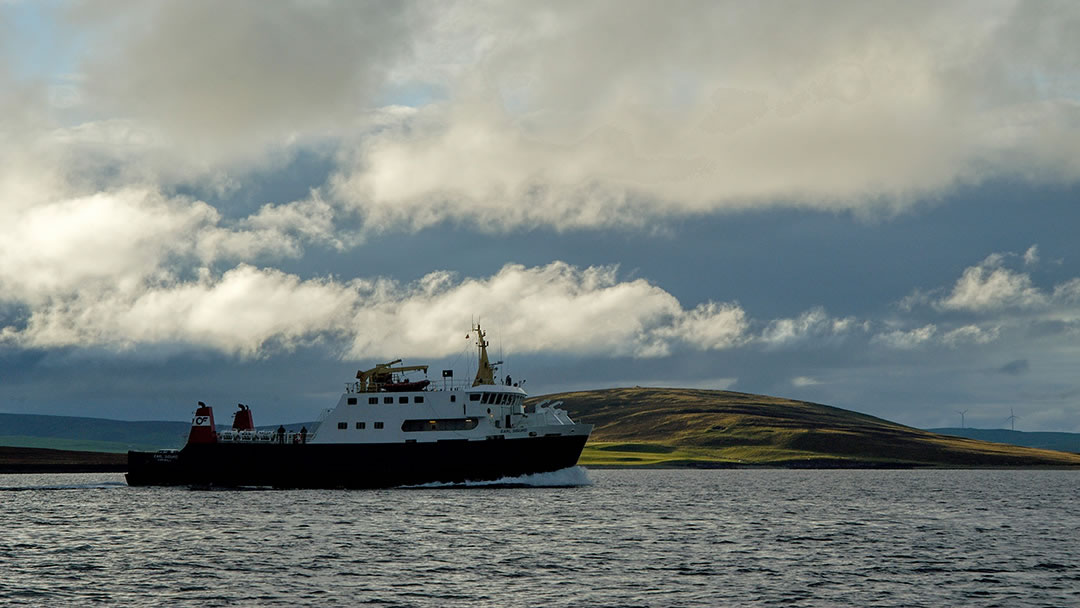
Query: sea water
column 573, row 538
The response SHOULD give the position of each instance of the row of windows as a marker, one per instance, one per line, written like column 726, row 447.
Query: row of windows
column 389, row 400
column 439, row 424
column 485, row 398
column 496, row 398
column 359, row 425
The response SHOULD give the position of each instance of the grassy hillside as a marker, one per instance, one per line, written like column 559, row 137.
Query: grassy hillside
column 1062, row 442
column 99, row 434
column 686, row 427
column 92, row 434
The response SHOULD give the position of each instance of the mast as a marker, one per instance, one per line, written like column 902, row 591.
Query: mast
column 485, row 373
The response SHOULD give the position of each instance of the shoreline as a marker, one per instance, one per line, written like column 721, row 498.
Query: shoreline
column 15, row 460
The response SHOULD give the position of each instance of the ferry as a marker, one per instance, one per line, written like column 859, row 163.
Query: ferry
column 387, row 430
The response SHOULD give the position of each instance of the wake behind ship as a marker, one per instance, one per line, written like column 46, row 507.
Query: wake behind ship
column 386, row 430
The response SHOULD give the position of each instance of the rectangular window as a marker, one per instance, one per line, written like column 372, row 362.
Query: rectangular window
column 360, row 425
column 343, row 425
column 402, row 399
column 372, row 400
column 474, row 397
column 352, row 400
column 453, row 398
column 418, row 400
column 387, row 400
column 378, row 425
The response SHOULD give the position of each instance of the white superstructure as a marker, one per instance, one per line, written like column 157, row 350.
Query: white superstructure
column 376, row 409
column 477, row 413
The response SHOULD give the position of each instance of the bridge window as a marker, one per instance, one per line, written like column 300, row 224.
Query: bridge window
column 474, row 397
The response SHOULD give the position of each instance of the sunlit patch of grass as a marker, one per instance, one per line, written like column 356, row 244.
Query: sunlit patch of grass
column 688, row 427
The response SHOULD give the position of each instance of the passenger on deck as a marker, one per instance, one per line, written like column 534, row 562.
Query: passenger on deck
column 303, row 434
column 281, row 434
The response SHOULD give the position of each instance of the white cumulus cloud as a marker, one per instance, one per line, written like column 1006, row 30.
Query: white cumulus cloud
column 248, row 311
column 909, row 339
column 814, row 324
column 990, row 286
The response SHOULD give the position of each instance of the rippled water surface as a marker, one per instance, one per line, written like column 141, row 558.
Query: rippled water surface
column 631, row 538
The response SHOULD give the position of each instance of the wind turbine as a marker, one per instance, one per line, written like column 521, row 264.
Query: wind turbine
column 962, row 416
column 1012, row 419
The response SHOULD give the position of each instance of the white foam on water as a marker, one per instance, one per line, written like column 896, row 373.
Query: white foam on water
column 569, row 477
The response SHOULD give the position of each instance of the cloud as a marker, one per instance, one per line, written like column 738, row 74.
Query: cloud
column 1005, row 301
column 564, row 115
column 592, row 115
column 970, row 334
column 989, row 286
column 1015, row 368
column 227, row 79
column 906, row 339
column 249, row 312
column 239, row 313
column 812, row 324
column 120, row 239
column 552, row 308
column 801, row 381
column 1031, row 256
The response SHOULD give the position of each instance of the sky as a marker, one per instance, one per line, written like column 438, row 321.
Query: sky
column 868, row 205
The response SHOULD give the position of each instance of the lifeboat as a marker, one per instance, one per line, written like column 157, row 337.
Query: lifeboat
column 401, row 387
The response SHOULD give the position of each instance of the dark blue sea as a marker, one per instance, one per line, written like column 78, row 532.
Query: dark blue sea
column 572, row 538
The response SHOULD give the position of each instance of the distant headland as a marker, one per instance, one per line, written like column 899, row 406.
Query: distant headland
column 634, row 427
column 671, row 427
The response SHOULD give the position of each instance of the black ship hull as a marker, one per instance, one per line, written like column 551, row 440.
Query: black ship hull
column 371, row 465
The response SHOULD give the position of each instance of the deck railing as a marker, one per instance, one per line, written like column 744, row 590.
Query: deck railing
column 267, row 437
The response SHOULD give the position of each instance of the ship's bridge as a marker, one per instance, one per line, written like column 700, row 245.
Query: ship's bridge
column 496, row 394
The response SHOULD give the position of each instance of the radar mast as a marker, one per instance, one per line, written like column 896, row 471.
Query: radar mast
column 485, row 372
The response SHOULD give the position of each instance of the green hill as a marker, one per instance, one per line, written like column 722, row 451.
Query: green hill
column 1062, row 442
column 685, row 427
column 99, row 434
column 89, row 434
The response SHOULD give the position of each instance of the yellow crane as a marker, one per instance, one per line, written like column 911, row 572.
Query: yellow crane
column 382, row 374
